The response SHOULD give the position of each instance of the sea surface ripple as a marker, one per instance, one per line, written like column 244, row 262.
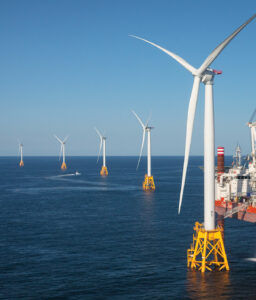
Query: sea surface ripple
column 88, row 237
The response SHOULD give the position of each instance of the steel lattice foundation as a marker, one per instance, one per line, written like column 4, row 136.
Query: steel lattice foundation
column 207, row 252
column 148, row 184
column 104, row 171
column 63, row 166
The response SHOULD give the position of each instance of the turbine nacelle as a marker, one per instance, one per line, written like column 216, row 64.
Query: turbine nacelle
column 208, row 75
column 207, row 72
column 60, row 141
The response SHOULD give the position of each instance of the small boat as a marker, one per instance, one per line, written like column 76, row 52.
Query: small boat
column 77, row 173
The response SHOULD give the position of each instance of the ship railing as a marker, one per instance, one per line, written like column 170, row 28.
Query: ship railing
column 236, row 210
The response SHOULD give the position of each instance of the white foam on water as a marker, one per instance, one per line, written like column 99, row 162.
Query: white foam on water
column 253, row 259
column 60, row 178
column 65, row 175
column 94, row 183
column 56, row 189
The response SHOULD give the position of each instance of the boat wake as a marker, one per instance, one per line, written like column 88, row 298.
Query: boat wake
column 67, row 175
column 253, row 259
column 60, row 189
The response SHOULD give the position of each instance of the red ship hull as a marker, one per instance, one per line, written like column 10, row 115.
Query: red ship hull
column 245, row 214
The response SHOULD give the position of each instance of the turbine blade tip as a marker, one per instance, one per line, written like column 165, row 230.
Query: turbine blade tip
column 136, row 37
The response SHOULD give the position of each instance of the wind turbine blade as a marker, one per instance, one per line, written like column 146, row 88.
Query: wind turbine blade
column 180, row 60
column 66, row 138
column 101, row 140
column 61, row 147
column 141, row 148
column 99, row 134
column 190, row 123
column 19, row 145
column 143, row 126
column 58, row 138
column 253, row 115
column 221, row 46
column 149, row 118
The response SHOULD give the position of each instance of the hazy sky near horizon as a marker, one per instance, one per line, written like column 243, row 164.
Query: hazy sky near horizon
column 67, row 66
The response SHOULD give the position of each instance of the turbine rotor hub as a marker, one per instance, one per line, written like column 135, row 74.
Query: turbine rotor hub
column 208, row 75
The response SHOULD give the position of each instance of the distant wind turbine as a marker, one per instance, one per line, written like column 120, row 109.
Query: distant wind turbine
column 148, row 184
column 104, row 170
column 21, row 163
column 62, row 151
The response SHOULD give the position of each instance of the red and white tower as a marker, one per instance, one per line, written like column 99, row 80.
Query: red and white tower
column 220, row 161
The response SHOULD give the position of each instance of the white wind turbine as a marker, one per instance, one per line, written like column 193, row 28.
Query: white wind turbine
column 252, row 126
column 206, row 75
column 21, row 164
column 148, row 183
column 62, row 151
column 104, row 170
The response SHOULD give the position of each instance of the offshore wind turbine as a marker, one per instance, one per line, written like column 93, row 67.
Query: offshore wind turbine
column 21, row 163
column 104, row 170
column 208, row 237
column 62, row 151
column 148, row 183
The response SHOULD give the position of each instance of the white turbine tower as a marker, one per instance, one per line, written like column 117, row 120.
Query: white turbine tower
column 206, row 75
column 21, row 163
column 148, row 184
column 252, row 126
column 104, row 170
column 62, row 151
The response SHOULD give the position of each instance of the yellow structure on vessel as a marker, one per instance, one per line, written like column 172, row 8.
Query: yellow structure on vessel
column 148, row 184
column 63, row 166
column 104, row 171
column 207, row 252
column 21, row 164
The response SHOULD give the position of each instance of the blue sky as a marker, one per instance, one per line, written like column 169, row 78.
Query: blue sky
column 67, row 66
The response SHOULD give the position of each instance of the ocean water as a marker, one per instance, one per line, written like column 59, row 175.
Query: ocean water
column 88, row 237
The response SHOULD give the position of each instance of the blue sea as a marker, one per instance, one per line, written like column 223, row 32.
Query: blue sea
column 88, row 237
